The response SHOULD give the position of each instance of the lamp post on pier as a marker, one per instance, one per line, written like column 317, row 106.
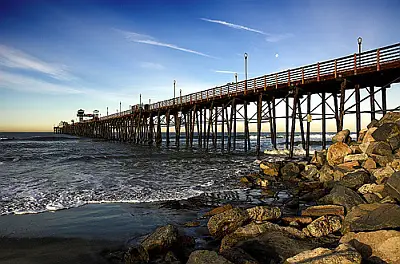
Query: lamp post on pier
column 359, row 40
column 174, row 90
column 245, row 71
column 236, row 81
column 119, row 107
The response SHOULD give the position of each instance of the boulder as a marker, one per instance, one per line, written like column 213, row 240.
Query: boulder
column 326, row 173
column 343, row 254
column 337, row 152
column 290, row 170
column 373, row 123
column 219, row 210
column 344, row 196
column 390, row 117
column 227, row 222
column 379, row 148
column 371, row 198
column 363, row 147
column 321, row 210
column 319, row 158
column 372, row 189
column 162, row 239
column 310, row 172
column 324, row 225
column 273, row 247
column 368, row 135
column 355, row 157
column 395, row 164
column 372, row 217
column 264, row 213
column 348, row 166
column 381, row 246
column 300, row 220
column 270, row 168
column 382, row 160
column 355, row 149
column 206, row 257
column 392, row 186
column 369, row 164
column 238, row 256
column 252, row 230
column 361, row 135
column 342, row 136
column 382, row 174
column 355, row 179
column 389, row 132
column 136, row 255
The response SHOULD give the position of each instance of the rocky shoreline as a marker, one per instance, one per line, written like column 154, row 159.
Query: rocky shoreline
column 346, row 203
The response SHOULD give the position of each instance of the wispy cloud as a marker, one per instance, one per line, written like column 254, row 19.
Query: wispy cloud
column 145, row 39
column 13, row 58
column 27, row 84
column 269, row 36
column 152, row 66
column 235, row 26
column 228, row 72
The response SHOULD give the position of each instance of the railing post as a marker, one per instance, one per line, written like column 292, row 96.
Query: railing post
column 302, row 75
column 288, row 72
column 378, row 58
column 276, row 80
column 265, row 82
column 228, row 90
column 254, row 85
column 317, row 71
column 355, row 63
column 245, row 87
column 335, row 69
column 220, row 92
column 213, row 93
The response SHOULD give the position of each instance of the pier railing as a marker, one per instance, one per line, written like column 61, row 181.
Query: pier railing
column 357, row 63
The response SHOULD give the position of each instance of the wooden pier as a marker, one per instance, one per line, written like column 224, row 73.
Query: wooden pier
column 214, row 115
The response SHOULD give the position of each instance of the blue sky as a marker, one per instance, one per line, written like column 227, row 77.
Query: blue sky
column 59, row 56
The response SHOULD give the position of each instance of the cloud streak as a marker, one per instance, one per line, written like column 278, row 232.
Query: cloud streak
column 152, row 66
column 269, row 37
column 228, row 72
column 13, row 58
column 27, row 84
column 149, row 40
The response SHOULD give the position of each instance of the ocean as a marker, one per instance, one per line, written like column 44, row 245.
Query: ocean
column 59, row 186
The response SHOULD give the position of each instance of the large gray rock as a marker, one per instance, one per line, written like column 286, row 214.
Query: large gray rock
column 162, row 239
column 253, row 230
column 136, row 255
column 324, row 225
column 227, row 222
column 344, row 196
column 390, row 117
column 368, row 135
column 392, row 186
column 343, row 254
column 310, row 172
column 319, row 158
column 372, row 188
column 326, row 173
column 321, row 210
column 355, row 179
column 376, row 247
column 206, row 257
column 356, row 157
column 379, row 148
column 382, row 174
column 389, row 132
column 342, row 136
column 382, row 160
column 273, row 247
column 337, row 152
column 264, row 213
column 290, row 170
column 238, row 256
column 371, row 217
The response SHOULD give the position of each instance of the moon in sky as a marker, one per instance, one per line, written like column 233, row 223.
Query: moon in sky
column 276, row 55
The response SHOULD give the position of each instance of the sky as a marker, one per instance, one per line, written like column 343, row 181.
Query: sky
column 59, row 56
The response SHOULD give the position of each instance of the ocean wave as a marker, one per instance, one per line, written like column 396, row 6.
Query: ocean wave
column 285, row 152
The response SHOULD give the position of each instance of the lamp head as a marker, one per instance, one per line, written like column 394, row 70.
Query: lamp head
column 245, row 55
column 359, row 40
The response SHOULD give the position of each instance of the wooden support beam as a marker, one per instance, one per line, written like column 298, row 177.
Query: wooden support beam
column 215, row 127
column 259, row 114
column 308, row 124
column 303, row 141
column 222, row 128
column 384, row 109
column 295, row 98
column 287, row 124
column 234, row 122
column 342, row 101
column 372, row 101
column 358, row 109
column 335, row 103
column 246, row 128
column 167, row 119
column 323, row 97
